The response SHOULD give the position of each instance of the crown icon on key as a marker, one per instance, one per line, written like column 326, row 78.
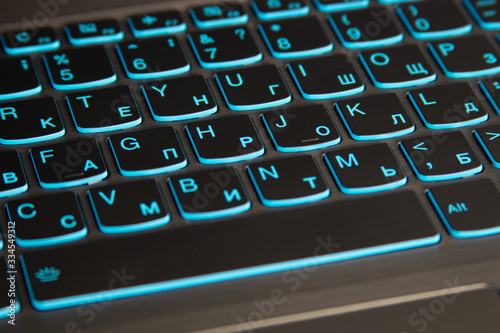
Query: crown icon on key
column 48, row 274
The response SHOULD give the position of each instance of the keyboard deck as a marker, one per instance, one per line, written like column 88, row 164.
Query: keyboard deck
column 145, row 151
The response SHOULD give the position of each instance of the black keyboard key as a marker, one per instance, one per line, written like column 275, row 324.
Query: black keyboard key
column 425, row 20
column 253, row 88
column 491, row 88
column 28, row 41
column 225, row 47
column 18, row 78
column 29, row 121
column 363, row 227
column 441, row 157
column 277, row 9
column 154, row 24
column 148, row 152
column 489, row 138
column 79, row 68
column 301, row 128
column 298, row 37
column 448, row 106
column 180, row 99
column 209, row 194
column 69, row 163
column 129, row 207
column 485, row 12
column 467, row 56
column 13, row 180
column 375, row 117
column 371, row 27
column 104, row 110
column 468, row 209
column 225, row 140
column 366, row 169
column 216, row 15
column 9, row 302
column 397, row 66
column 340, row 5
column 99, row 31
column 326, row 77
column 153, row 58
column 47, row 220
column 288, row 181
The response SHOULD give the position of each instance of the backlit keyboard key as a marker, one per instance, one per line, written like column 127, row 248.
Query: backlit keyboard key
column 363, row 28
column 100, row 31
column 366, row 169
column 225, row 47
column 225, row 140
column 29, row 41
column 153, row 58
column 397, row 66
column 468, row 209
column 79, row 68
column 489, row 138
column 288, row 181
column 69, row 163
column 47, row 220
column 448, row 106
column 467, row 56
column 12, row 176
column 426, row 20
column 153, row 24
column 148, row 152
column 29, row 121
column 340, row 5
column 491, row 88
column 209, row 194
column 104, row 110
column 485, row 12
column 18, row 78
column 129, row 207
column 226, row 13
column 298, row 37
column 326, row 77
column 277, row 9
column 253, row 88
column 441, row 157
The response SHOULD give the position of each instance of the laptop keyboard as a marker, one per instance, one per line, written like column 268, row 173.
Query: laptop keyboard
column 229, row 140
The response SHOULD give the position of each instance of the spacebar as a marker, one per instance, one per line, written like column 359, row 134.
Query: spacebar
column 216, row 251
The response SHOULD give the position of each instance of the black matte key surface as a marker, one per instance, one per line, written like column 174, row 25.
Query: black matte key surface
column 159, row 23
column 326, row 77
column 301, row 128
column 298, row 37
column 468, row 209
column 398, row 66
column 129, row 207
column 148, row 152
column 12, row 177
column 468, row 56
column 276, row 9
column 394, row 222
column 152, row 58
column 339, row 5
column 179, row 99
column 225, row 140
column 69, row 163
column 288, row 181
column 375, row 117
column 486, row 13
column 219, row 14
column 47, row 220
column 253, row 88
column 30, row 40
column 366, row 169
column 441, row 156
column 104, row 110
column 366, row 27
column 209, row 194
column 79, row 68
column 29, row 121
column 489, row 138
column 225, row 47
column 491, row 88
column 434, row 19
column 99, row 31
column 18, row 78
column 448, row 106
